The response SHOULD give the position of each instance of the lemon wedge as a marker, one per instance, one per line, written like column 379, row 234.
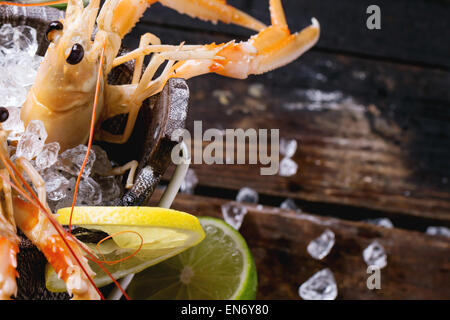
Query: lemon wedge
column 158, row 233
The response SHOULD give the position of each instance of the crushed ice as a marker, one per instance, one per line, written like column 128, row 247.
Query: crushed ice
column 32, row 140
column 320, row 247
column 189, row 182
column 321, row 286
column 18, row 66
column 438, row 231
column 247, row 195
column 234, row 214
column 289, row 204
column 60, row 172
column 18, row 63
column 375, row 255
column 382, row 222
column 288, row 167
column 288, row 147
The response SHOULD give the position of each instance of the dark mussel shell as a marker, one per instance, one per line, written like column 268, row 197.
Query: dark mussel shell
column 150, row 143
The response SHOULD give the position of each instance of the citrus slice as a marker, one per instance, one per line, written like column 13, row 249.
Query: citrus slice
column 163, row 233
column 221, row 267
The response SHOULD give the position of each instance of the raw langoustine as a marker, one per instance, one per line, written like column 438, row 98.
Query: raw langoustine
column 63, row 93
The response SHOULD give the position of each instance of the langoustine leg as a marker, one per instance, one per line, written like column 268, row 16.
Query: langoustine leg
column 9, row 241
column 69, row 263
column 273, row 47
column 8, row 263
column 61, row 250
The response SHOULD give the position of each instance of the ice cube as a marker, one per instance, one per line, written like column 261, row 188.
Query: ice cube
column 48, row 156
column 71, row 161
column 382, row 222
column 320, row 247
column 89, row 192
column 12, row 94
column 37, row 128
column 21, row 70
column 18, row 39
column 374, row 255
column 13, row 124
column 234, row 214
column 102, row 164
column 111, row 189
column 289, row 204
column 56, row 185
column 7, row 43
column 32, row 140
column 288, row 167
column 189, row 182
column 25, row 39
column 18, row 63
column 67, row 200
column 321, row 286
column 438, row 231
column 288, row 147
column 247, row 195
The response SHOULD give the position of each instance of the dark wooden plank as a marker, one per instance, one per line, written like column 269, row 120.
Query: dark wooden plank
column 415, row 31
column 418, row 264
column 364, row 78
column 378, row 136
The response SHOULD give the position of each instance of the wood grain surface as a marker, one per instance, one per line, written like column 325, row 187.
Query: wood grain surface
column 418, row 265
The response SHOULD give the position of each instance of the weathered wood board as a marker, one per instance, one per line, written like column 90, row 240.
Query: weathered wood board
column 278, row 240
column 372, row 134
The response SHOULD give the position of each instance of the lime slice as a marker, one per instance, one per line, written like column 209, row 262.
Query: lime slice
column 219, row 268
column 163, row 234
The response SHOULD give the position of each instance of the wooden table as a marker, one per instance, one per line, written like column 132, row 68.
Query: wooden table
column 370, row 110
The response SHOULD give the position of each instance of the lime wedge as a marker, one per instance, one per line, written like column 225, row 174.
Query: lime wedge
column 219, row 268
column 163, row 234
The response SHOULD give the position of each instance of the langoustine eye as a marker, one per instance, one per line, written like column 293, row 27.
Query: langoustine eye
column 76, row 54
column 53, row 27
column 4, row 114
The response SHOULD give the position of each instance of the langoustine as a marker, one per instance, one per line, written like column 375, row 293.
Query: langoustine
column 63, row 94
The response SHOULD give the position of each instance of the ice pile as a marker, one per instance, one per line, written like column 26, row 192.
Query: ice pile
column 60, row 172
column 233, row 214
column 288, row 167
column 18, row 63
column 320, row 247
column 18, row 67
column 95, row 188
column 321, row 286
